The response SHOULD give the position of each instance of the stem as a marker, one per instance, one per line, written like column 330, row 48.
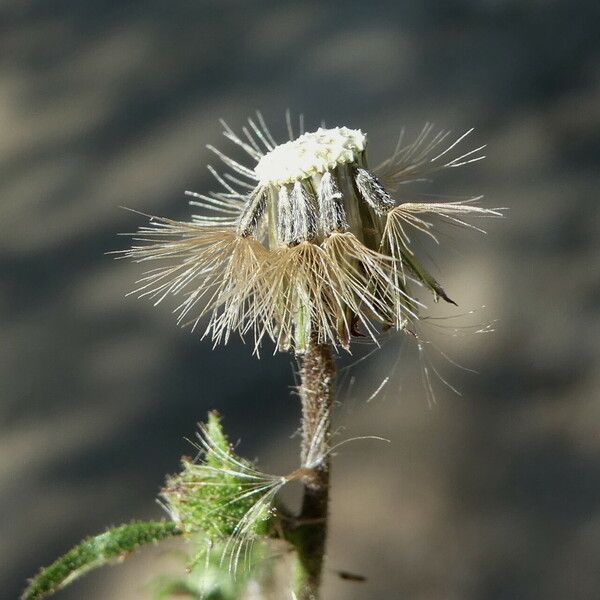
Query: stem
column 317, row 375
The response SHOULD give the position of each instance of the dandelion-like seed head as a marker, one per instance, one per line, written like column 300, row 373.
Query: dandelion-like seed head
column 307, row 244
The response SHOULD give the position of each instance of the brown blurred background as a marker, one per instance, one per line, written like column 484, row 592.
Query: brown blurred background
column 491, row 495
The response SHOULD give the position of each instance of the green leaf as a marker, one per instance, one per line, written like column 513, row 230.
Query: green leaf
column 96, row 551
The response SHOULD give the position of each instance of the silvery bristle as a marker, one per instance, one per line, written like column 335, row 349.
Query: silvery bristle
column 372, row 191
column 252, row 212
column 331, row 209
column 304, row 221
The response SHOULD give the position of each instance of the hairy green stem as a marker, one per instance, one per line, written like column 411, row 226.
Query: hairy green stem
column 317, row 375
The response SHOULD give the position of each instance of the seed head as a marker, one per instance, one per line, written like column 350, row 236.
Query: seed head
column 308, row 243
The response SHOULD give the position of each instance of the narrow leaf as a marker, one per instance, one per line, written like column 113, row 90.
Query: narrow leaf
column 96, row 551
column 425, row 277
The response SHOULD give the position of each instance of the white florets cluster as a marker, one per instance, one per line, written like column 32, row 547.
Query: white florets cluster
column 310, row 154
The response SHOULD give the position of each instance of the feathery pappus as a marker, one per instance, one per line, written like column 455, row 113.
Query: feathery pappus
column 307, row 243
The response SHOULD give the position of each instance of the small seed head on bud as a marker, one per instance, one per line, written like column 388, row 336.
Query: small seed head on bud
column 219, row 490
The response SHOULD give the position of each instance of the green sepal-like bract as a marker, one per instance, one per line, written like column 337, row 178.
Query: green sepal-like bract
column 221, row 494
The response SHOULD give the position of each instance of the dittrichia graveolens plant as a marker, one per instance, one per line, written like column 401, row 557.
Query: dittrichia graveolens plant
column 307, row 248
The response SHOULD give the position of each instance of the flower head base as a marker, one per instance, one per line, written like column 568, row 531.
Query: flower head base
column 306, row 245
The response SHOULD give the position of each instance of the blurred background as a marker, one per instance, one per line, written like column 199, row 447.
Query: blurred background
column 493, row 494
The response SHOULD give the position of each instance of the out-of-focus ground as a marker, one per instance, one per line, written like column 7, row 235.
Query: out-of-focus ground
column 494, row 494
